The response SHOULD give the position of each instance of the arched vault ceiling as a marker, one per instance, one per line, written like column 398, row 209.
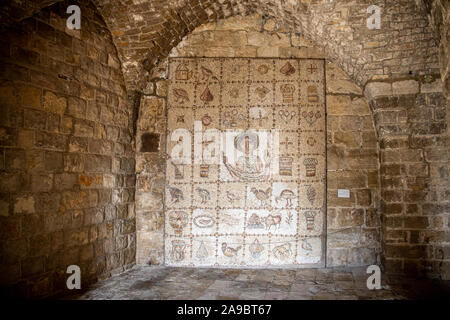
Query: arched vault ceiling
column 145, row 31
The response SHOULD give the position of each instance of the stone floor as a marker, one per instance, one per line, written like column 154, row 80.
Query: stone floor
column 145, row 282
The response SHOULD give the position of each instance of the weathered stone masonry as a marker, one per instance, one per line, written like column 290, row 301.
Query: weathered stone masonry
column 67, row 154
column 410, row 115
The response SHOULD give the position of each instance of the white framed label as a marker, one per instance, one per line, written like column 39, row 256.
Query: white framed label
column 343, row 193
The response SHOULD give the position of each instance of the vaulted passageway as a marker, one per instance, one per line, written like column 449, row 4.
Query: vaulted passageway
column 76, row 186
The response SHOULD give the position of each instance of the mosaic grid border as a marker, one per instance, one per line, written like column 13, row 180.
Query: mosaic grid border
column 322, row 209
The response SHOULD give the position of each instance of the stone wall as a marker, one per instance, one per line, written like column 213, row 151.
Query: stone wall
column 439, row 15
column 66, row 154
column 410, row 115
column 352, row 151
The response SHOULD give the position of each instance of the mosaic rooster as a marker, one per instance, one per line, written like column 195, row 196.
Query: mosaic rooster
column 262, row 195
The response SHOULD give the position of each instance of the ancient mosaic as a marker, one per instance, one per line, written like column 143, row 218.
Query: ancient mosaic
column 246, row 162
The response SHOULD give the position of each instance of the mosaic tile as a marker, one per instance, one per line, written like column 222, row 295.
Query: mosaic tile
column 235, row 70
column 312, row 142
column 232, row 195
column 180, row 118
column 234, row 92
column 286, row 117
column 286, row 69
column 260, row 117
column 287, row 93
column 209, row 118
column 204, row 222
column 233, row 118
column 261, row 94
column 204, row 251
column 282, row 250
column 181, row 95
column 204, row 195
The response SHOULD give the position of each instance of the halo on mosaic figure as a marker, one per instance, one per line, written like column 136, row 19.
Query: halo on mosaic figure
column 240, row 140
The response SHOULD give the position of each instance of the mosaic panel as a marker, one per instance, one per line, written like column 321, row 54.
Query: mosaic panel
column 246, row 163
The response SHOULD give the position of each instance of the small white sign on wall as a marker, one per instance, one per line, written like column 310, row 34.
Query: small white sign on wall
column 343, row 193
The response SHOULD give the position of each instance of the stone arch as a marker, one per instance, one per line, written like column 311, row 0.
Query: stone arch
column 144, row 32
column 152, row 29
column 401, row 68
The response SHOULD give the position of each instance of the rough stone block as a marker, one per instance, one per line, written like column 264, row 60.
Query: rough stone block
column 51, row 141
column 263, row 52
column 100, row 146
column 161, row 88
column 73, row 163
column 405, row 251
column 41, row 182
column 97, row 163
column 24, row 204
column 338, row 105
column 90, row 180
column 30, row 96
column 334, row 201
column 348, row 139
column 372, row 218
column 235, row 23
column 349, row 218
column 343, row 87
column 65, row 181
column 374, row 90
column 256, row 39
column 76, row 107
column 150, row 142
column 405, row 87
column 79, row 199
column 34, row 119
column 7, row 96
column 364, row 197
column 47, row 202
column 416, row 222
column 432, row 87
column 53, row 161
column 15, row 159
column 83, row 128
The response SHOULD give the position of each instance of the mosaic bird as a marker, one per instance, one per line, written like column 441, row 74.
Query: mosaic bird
column 176, row 194
column 206, row 74
column 261, row 195
column 232, row 197
column 180, row 95
column 306, row 245
column 287, row 195
column 204, row 195
column 229, row 251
